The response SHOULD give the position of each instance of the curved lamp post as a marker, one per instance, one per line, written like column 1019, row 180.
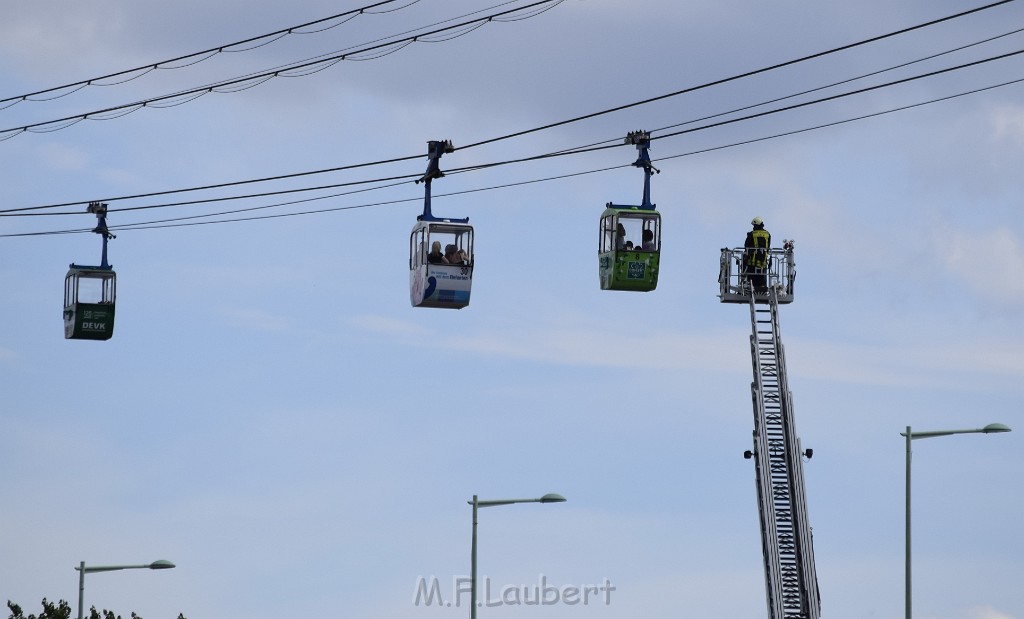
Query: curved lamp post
column 477, row 503
column 991, row 428
column 83, row 570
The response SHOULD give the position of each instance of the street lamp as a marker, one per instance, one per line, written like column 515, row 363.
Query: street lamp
column 82, row 571
column 991, row 428
column 476, row 503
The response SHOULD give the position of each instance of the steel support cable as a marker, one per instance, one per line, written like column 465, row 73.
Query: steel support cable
column 125, row 209
column 391, row 182
column 169, row 223
column 164, row 224
column 6, row 134
column 24, row 210
column 616, row 140
column 848, row 80
column 841, row 122
column 724, row 80
column 622, row 166
column 842, row 95
column 309, row 65
column 198, row 56
column 580, row 150
column 740, row 75
column 599, row 146
column 333, row 57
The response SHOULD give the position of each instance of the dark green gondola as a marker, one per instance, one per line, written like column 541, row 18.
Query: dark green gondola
column 90, row 292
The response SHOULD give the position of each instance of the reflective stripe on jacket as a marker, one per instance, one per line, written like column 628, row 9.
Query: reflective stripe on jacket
column 757, row 251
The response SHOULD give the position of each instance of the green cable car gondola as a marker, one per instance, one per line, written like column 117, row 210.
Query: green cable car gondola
column 629, row 242
column 90, row 292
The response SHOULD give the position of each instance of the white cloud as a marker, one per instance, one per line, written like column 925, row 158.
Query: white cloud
column 388, row 326
column 990, row 262
column 579, row 342
column 57, row 33
column 257, row 320
column 596, row 347
column 1008, row 123
column 903, row 363
column 987, row 612
column 64, row 157
column 320, row 418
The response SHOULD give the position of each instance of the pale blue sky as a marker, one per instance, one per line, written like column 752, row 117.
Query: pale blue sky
column 273, row 416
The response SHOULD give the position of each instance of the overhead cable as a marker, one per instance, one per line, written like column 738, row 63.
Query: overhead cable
column 168, row 223
column 739, row 76
column 3, row 212
column 243, row 83
column 195, row 57
column 844, row 94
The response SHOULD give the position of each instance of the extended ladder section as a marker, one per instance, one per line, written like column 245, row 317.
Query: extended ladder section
column 790, row 578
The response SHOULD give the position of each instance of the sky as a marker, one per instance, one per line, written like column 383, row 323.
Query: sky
column 275, row 418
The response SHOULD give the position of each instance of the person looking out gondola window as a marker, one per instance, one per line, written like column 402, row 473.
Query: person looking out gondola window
column 648, row 244
column 435, row 256
column 453, row 255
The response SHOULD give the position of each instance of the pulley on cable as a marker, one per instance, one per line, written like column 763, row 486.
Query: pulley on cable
column 90, row 291
column 440, row 249
column 629, row 245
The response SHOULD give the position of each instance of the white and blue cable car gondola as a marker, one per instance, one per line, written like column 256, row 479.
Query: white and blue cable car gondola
column 90, row 292
column 440, row 249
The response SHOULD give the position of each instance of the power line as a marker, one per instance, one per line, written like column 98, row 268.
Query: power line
column 741, row 75
column 195, row 57
column 178, row 222
column 6, row 212
column 846, row 94
column 571, row 151
column 252, row 80
column 618, row 139
column 840, row 82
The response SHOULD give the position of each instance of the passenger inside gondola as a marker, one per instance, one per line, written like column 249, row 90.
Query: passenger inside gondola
column 648, row 244
column 454, row 255
column 620, row 237
column 435, row 256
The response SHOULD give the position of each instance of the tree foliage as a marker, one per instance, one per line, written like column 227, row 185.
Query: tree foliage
column 62, row 610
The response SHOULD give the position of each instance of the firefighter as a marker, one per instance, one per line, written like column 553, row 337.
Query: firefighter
column 755, row 255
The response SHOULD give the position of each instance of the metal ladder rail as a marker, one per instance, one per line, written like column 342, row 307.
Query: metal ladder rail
column 790, row 580
column 808, row 577
column 805, row 572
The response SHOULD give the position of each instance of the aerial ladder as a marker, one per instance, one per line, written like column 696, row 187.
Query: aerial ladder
column 791, row 582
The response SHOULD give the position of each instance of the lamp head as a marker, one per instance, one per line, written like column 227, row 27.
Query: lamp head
column 162, row 564
column 995, row 427
column 556, row 498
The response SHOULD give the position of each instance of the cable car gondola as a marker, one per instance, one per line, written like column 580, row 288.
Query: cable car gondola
column 629, row 245
column 90, row 292
column 440, row 249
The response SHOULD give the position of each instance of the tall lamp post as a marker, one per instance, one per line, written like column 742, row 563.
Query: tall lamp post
column 991, row 428
column 477, row 503
column 83, row 570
